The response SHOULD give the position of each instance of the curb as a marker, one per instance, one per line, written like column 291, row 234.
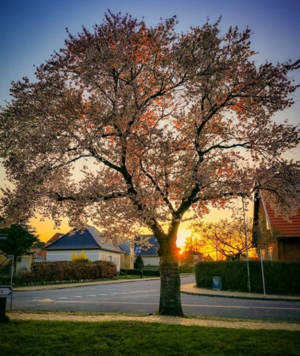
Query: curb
column 203, row 293
column 84, row 284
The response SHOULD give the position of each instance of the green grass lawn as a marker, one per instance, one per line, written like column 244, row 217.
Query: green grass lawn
column 135, row 338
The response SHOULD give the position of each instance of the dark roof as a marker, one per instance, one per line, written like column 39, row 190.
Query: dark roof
column 144, row 251
column 125, row 246
column 88, row 239
column 194, row 252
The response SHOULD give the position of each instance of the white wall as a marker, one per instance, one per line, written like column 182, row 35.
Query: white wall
column 153, row 261
column 92, row 255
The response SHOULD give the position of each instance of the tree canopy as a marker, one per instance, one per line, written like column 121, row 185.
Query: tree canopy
column 132, row 126
column 19, row 241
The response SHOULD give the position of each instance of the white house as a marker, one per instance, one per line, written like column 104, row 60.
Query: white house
column 90, row 241
column 149, row 255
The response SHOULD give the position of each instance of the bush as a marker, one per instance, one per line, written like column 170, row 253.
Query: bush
column 281, row 277
column 66, row 271
column 82, row 258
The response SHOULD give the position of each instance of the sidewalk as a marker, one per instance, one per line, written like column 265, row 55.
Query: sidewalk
column 81, row 284
column 192, row 289
column 48, row 316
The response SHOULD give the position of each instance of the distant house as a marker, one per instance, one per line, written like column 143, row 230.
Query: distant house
column 190, row 257
column 90, row 241
column 208, row 258
column 55, row 237
column 149, row 255
column 127, row 257
column 278, row 238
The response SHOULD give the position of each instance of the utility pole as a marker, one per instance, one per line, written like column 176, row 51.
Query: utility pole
column 246, row 245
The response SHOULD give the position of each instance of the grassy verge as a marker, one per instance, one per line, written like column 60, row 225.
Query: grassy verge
column 128, row 277
column 134, row 338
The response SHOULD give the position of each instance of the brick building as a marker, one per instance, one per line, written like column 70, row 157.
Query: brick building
column 277, row 237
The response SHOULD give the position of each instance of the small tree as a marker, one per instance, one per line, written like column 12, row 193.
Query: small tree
column 139, row 263
column 19, row 241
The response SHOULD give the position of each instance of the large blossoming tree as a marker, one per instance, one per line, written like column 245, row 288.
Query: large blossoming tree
column 131, row 126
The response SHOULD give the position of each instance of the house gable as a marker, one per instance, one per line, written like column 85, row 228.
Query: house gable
column 88, row 239
column 277, row 224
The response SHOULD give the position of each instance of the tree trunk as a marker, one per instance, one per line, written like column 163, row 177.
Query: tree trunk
column 170, row 299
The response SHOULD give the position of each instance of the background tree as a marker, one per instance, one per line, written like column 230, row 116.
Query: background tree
column 19, row 241
column 132, row 126
column 193, row 243
column 225, row 237
column 139, row 263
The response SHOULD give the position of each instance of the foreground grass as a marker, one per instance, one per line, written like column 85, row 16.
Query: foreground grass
column 135, row 338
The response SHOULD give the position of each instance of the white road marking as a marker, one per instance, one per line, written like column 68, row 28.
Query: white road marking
column 62, row 298
column 46, row 301
column 184, row 305
column 77, row 296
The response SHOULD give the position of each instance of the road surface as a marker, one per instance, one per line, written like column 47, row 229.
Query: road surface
column 142, row 297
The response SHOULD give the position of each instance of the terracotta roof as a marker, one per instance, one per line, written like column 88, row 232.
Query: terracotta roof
column 55, row 237
column 282, row 227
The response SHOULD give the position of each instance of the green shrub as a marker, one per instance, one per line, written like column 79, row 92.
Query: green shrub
column 281, row 277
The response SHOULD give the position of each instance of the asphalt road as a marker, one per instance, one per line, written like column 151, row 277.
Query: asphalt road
column 143, row 297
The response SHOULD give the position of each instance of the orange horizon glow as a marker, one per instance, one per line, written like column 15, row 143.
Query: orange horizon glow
column 45, row 229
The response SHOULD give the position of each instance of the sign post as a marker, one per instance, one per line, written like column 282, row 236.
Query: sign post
column 262, row 272
column 6, row 291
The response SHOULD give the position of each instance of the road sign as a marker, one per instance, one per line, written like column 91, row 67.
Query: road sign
column 217, row 283
column 4, row 291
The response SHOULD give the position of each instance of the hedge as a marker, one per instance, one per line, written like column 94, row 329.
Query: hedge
column 281, row 277
column 66, row 271
column 136, row 272
column 154, row 273
column 185, row 268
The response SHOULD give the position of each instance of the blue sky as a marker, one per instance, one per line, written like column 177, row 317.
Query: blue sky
column 32, row 29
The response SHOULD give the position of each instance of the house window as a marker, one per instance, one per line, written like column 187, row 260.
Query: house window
column 267, row 224
column 270, row 253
